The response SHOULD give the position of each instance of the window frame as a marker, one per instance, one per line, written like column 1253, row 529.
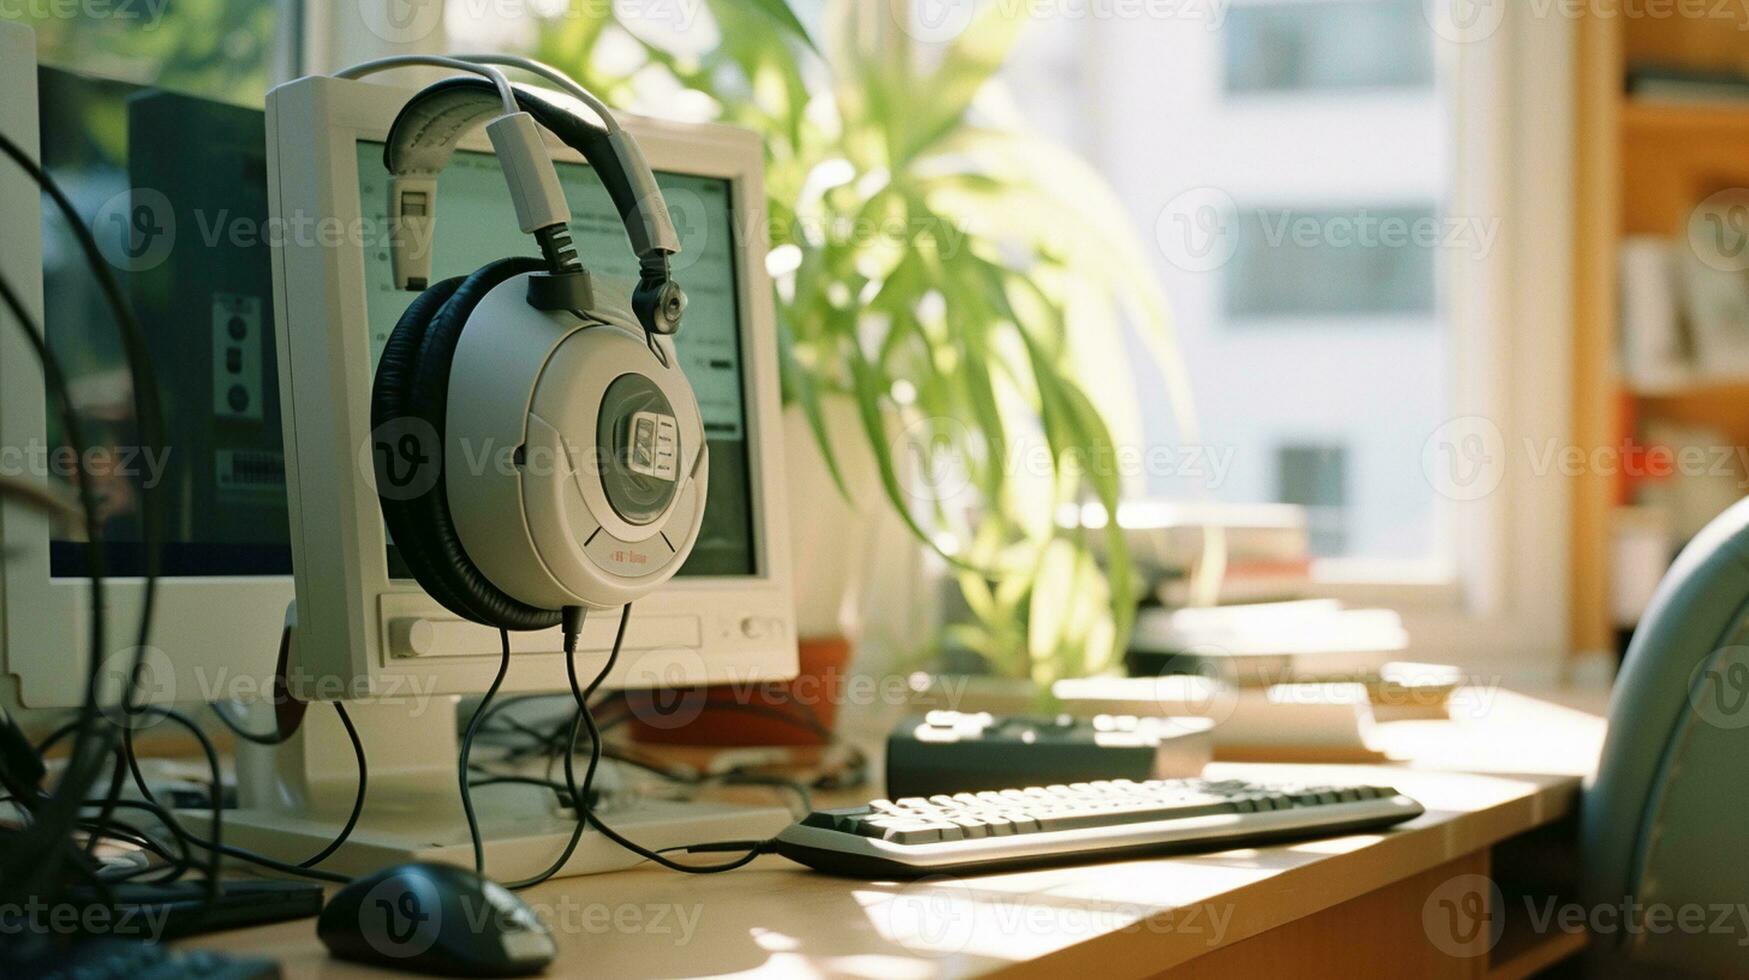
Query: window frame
column 1502, row 604
column 1498, row 600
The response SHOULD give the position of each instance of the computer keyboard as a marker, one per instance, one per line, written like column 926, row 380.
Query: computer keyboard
column 1039, row 825
column 127, row 959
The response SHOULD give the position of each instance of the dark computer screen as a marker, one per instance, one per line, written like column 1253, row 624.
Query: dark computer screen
column 174, row 188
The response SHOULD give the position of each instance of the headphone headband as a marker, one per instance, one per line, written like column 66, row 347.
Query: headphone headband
column 428, row 128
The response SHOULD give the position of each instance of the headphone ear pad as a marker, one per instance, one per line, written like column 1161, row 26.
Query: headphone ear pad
column 409, row 400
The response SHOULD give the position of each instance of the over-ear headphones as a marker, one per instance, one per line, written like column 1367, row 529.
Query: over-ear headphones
column 562, row 459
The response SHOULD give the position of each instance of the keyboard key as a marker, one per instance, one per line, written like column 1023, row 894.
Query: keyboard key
column 900, row 831
column 840, row 819
column 971, row 828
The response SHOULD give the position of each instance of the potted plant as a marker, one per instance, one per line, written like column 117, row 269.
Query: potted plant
column 952, row 296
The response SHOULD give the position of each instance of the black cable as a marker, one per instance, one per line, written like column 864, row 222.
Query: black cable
column 656, row 856
column 512, row 779
column 514, row 727
column 733, row 777
column 580, row 694
column 117, row 773
column 121, row 832
column 468, row 751
column 280, row 738
column 570, row 626
column 40, row 847
column 525, row 740
column 216, row 847
column 53, row 738
column 148, row 419
column 357, row 802
column 585, row 812
column 553, row 741
column 853, row 772
column 217, row 789
column 719, row 847
column 177, row 865
column 168, row 818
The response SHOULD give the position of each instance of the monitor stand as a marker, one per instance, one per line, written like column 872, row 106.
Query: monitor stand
column 295, row 797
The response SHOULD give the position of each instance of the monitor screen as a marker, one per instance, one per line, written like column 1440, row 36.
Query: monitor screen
column 181, row 214
column 174, row 188
column 476, row 224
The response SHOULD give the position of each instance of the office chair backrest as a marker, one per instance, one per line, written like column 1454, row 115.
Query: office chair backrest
column 1664, row 827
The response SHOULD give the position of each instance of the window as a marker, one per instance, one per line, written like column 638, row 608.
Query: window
column 1341, row 44
column 1354, row 105
column 1207, row 117
column 1316, row 477
column 234, row 50
column 1314, row 315
column 1331, row 262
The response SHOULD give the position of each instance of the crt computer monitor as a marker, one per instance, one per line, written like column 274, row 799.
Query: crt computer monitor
column 177, row 190
column 365, row 629
column 149, row 171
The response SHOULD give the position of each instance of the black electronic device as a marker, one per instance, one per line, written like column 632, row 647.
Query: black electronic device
column 953, row 751
column 436, row 919
column 127, row 959
column 183, row 908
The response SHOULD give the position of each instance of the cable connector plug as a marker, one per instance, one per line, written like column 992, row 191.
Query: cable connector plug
column 571, row 624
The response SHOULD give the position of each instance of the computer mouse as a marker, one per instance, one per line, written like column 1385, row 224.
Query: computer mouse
column 436, row 919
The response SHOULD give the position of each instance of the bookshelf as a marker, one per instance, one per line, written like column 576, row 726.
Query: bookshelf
column 1640, row 166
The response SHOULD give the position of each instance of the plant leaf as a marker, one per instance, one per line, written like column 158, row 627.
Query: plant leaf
column 973, row 58
column 779, row 13
column 800, row 386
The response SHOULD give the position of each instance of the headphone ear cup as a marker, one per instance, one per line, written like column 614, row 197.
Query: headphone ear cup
column 409, row 415
column 402, row 444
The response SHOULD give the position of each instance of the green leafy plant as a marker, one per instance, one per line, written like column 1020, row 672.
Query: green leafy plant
column 965, row 283
column 222, row 49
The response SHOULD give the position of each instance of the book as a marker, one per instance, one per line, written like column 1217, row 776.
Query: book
column 1246, row 581
column 1267, row 643
column 1670, row 84
column 1715, row 296
column 1171, row 536
column 1320, row 721
column 1654, row 348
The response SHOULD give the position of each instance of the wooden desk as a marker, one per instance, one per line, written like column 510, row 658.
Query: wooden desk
column 1349, row 906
